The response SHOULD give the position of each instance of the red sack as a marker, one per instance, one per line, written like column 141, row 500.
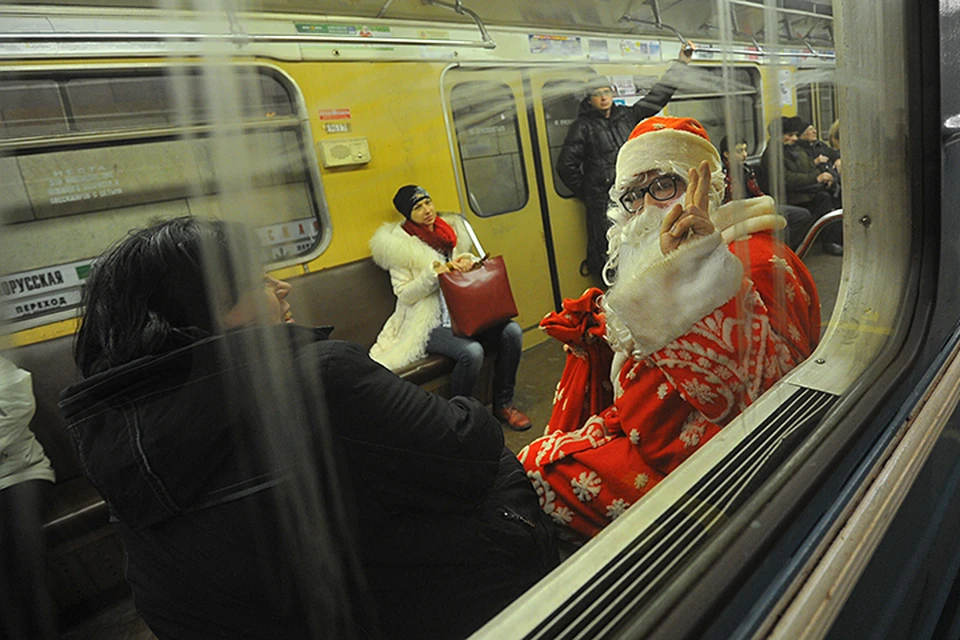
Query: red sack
column 584, row 389
column 478, row 299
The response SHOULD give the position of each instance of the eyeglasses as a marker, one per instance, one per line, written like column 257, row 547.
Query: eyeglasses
column 661, row 190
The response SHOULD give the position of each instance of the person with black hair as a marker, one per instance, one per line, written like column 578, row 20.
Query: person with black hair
column 587, row 161
column 268, row 482
column 798, row 218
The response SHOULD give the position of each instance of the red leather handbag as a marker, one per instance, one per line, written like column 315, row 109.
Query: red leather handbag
column 479, row 299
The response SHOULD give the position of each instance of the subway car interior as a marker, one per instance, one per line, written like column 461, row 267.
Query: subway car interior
column 826, row 505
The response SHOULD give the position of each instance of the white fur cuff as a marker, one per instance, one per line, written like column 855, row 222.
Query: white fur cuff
column 651, row 308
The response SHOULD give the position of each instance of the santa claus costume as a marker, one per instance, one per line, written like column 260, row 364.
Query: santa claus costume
column 698, row 334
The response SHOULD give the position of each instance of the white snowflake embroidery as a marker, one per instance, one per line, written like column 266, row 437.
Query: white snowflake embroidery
column 793, row 331
column 691, row 434
column 662, row 390
column 586, row 486
column 778, row 262
column 617, row 508
column 641, row 481
column 563, row 515
column 635, row 437
column 544, row 491
column 699, row 391
column 791, row 291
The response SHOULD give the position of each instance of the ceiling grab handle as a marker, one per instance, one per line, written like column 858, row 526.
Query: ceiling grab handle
column 458, row 7
column 657, row 22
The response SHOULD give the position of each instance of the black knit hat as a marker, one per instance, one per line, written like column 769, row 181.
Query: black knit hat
column 794, row 124
column 407, row 198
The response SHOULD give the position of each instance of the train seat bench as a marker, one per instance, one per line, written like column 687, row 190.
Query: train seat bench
column 84, row 555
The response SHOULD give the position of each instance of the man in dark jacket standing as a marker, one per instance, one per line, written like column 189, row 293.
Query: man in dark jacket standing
column 587, row 162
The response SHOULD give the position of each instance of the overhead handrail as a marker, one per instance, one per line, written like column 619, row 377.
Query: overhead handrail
column 240, row 38
column 383, row 9
column 659, row 26
column 462, row 10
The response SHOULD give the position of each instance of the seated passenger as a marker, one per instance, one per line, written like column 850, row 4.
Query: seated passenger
column 805, row 185
column 415, row 252
column 798, row 218
column 823, row 155
column 270, row 483
column 707, row 311
column 26, row 608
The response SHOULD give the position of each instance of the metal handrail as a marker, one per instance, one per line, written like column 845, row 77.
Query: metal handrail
column 828, row 218
column 238, row 39
column 660, row 26
column 462, row 10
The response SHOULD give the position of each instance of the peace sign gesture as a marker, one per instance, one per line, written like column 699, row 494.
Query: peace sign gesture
column 690, row 219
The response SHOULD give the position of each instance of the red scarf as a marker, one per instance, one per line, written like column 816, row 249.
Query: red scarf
column 443, row 238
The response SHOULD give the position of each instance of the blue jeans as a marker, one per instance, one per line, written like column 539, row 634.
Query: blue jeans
column 467, row 353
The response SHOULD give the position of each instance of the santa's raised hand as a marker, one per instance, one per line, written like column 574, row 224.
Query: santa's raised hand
column 691, row 218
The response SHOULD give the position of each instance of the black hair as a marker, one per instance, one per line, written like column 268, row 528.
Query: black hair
column 723, row 144
column 156, row 282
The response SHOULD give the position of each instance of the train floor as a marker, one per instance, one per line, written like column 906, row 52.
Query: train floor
column 537, row 378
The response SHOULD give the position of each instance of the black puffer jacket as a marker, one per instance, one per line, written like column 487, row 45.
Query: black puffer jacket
column 587, row 162
column 443, row 519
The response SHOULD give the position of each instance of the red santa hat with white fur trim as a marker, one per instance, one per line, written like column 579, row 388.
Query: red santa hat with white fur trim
column 669, row 145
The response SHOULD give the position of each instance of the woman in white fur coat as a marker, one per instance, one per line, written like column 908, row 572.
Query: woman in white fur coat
column 416, row 252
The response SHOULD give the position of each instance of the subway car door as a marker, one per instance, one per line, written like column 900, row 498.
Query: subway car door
column 496, row 165
column 556, row 95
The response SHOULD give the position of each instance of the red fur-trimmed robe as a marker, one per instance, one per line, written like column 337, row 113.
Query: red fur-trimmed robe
column 672, row 397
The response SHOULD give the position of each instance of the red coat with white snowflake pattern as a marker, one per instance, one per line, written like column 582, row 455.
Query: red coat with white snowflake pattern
column 672, row 401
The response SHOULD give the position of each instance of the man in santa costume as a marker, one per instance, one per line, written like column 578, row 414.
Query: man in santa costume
column 707, row 309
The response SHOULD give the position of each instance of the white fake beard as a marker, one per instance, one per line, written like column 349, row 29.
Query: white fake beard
column 636, row 247
column 639, row 244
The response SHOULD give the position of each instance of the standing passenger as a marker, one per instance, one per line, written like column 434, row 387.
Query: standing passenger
column 252, row 465
column 586, row 163
column 707, row 312
column 416, row 252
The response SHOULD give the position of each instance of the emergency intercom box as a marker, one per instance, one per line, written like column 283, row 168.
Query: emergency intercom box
column 344, row 153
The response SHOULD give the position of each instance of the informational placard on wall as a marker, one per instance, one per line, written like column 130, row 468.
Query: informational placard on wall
column 640, row 49
column 42, row 291
column 555, row 45
column 785, row 84
column 288, row 239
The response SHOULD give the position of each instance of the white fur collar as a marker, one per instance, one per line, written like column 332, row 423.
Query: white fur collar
column 391, row 247
column 656, row 305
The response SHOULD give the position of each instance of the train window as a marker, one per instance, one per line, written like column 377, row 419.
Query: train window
column 827, row 111
column 700, row 97
column 99, row 104
column 485, row 117
column 809, row 96
column 31, row 109
column 805, row 102
column 561, row 102
column 135, row 147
